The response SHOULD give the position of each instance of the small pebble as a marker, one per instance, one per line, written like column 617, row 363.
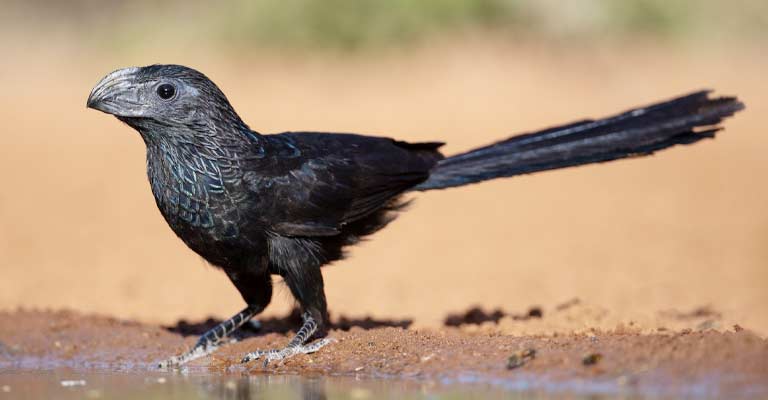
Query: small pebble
column 6, row 389
column 520, row 358
column 161, row 380
column 592, row 359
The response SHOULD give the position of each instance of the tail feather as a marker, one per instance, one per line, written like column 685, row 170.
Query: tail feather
column 637, row 132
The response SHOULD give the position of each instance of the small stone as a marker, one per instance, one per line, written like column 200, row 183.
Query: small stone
column 161, row 380
column 592, row 359
column 5, row 389
column 230, row 385
column 359, row 369
column 520, row 358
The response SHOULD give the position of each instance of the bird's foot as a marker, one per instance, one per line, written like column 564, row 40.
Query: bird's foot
column 210, row 341
column 194, row 354
column 287, row 352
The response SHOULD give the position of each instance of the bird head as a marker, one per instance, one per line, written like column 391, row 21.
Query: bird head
column 158, row 99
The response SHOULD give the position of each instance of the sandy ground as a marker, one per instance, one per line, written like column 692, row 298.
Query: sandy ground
column 702, row 363
column 658, row 264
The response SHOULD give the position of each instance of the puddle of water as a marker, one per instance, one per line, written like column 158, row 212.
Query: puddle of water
column 68, row 384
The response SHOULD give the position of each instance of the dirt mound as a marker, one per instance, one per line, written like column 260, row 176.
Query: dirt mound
column 578, row 317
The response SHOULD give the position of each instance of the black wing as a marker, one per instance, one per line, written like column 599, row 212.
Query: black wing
column 312, row 184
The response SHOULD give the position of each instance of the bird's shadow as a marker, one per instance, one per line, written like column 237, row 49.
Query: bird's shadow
column 288, row 323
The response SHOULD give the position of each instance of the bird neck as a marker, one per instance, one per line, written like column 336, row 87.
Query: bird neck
column 230, row 133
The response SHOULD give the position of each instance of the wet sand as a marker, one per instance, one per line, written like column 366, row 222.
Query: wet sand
column 700, row 363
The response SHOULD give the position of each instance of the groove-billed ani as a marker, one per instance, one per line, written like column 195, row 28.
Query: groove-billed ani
column 286, row 204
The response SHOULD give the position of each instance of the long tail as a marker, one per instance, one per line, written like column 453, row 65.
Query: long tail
column 637, row 132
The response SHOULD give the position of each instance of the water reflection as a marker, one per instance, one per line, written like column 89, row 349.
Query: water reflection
column 67, row 384
column 267, row 387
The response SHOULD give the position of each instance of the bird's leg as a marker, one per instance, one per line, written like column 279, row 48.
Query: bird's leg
column 306, row 285
column 255, row 285
column 212, row 339
column 295, row 346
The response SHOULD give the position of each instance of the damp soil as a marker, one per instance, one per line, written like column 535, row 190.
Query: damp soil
column 699, row 363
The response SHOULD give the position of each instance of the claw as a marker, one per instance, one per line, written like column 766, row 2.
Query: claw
column 211, row 340
column 286, row 353
column 171, row 362
column 253, row 356
column 194, row 354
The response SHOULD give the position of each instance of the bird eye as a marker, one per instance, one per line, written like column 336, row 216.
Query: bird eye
column 166, row 91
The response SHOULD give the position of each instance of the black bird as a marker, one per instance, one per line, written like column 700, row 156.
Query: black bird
column 286, row 204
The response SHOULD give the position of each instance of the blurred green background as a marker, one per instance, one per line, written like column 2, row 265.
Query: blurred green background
column 366, row 24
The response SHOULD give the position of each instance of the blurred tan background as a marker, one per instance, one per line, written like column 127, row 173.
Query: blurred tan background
column 684, row 229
